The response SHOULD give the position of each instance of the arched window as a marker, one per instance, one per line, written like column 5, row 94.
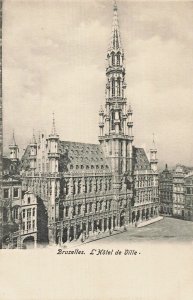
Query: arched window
column 112, row 120
column 118, row 87
column 118, row 59
column 79, row 186
column 113, row 87
column 120, row 123
column 113, row 58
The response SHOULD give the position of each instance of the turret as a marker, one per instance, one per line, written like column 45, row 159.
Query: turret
column 153, row 157
column 101, row 121
column 53, row 151
column 14, row 150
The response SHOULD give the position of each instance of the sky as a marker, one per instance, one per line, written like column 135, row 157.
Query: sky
column 54, row 59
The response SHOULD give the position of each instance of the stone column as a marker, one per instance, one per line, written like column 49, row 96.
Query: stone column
column 92, row 226
column 35, row 241
column 68, row 234
column 75, row 231
column 107, row 223
column 103, row 225
column 118, row 220
column 61, row 232
column 87, row 228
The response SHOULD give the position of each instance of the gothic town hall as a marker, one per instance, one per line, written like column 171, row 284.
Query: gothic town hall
column 80, row 190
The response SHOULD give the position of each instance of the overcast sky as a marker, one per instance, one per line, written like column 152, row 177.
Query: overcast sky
column 54, row 60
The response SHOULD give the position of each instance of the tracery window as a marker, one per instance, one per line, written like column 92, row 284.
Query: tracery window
column 113, row 87
column 118, row 87
column 118, row 59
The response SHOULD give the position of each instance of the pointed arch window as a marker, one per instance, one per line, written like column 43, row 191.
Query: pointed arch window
column 120, row 123
column 112, row 120
column 118, row 59
column 113, row 87
column 113, row 58
column 118, row 87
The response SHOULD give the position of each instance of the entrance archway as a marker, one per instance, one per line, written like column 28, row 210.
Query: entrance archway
column 138, row 216
column 110, row 219
column 122, row 219
column 133, row 216
column 28, row 242
column 71, row 233
column 143, row 214
column 147, row 214
column 151, row 212
column 64, row 237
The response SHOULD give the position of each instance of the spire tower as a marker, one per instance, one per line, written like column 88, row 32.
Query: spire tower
column 116, row 121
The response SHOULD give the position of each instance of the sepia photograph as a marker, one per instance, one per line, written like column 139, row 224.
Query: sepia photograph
column 96, row 140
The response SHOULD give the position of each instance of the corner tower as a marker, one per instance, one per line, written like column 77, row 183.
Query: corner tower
column 115, row 121
column 14, row 150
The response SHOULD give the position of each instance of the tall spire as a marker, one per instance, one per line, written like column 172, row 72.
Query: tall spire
column 53, row 125
column 13, row 139
column 33, row 137
column 115, row 43
column 154, row 146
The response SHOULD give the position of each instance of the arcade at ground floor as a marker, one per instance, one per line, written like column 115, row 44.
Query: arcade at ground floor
column 83, row 228
column 166, row 230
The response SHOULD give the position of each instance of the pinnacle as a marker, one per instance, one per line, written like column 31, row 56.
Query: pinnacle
column 13, row 139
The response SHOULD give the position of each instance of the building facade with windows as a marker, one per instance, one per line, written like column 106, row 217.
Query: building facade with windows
column 178, row 192
column 189, row 197
column 166, row 192
column 86, row 188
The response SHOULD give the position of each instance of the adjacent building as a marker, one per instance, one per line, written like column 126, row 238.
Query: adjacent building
column 166, row 192
column 188, row 209
column 176, row 193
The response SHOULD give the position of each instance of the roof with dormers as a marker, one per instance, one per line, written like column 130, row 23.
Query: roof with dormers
column 82, row 157
column 140, row 160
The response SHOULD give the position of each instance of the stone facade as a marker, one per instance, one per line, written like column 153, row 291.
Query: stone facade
column 178, row 192
column 188, row 197
column 166, row 192
column 85, row 188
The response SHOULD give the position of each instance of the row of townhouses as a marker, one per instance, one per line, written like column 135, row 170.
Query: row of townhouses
column 176, row 193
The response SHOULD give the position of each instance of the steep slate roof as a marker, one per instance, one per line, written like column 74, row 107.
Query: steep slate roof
column 140, row 160
column 82, row 157
column 25, row 164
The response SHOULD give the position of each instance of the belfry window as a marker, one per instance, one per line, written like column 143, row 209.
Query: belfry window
column 118, row 87
column 113, row 87
column 118, row 59
column 112, row 120
column 113, row 59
